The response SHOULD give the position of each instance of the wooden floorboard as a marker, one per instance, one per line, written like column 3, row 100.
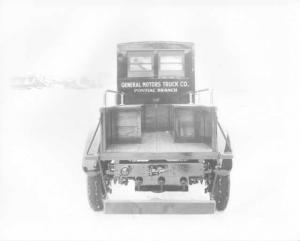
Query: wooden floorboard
column 158, row 142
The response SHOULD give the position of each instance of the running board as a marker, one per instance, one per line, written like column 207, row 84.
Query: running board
column 159, row 207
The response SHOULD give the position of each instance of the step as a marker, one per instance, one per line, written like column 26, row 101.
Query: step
column 158, row 207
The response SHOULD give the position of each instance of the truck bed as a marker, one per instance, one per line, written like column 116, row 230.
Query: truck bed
column 158, row 142
column 158, row 132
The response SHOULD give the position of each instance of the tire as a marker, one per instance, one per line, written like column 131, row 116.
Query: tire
column 221, row 192
column 95, row 192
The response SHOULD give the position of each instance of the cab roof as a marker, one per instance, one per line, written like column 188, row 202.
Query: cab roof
column 153, row 45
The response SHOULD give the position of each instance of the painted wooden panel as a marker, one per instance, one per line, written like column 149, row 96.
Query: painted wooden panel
column 157, row 117
column 128, row 118
column 150, row 118
column 135, row 85
column 184, row 124
column 123, row 125
column 208, row 129
column 163, row 117
column 193, row 124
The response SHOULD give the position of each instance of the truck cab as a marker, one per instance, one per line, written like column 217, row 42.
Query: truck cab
column 156, row 135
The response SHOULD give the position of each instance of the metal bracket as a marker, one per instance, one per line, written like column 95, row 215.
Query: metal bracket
column 221, row 172
column 122, row 94
column 197, row 92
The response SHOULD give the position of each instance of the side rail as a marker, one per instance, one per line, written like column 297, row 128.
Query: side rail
column 96, row 140
column 196, row 93
column 92, row 148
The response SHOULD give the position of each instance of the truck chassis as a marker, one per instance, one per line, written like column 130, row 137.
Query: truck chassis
column 159, row 146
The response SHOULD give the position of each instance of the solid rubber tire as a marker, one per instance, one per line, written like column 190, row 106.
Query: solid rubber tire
column 95, row 192
column 221, row 192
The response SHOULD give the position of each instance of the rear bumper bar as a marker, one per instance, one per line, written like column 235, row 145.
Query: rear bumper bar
column 158, row 156
column 159, row 207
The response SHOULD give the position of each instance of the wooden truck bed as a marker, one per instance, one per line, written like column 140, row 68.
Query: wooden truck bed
column 141, row 132
column 161, row 141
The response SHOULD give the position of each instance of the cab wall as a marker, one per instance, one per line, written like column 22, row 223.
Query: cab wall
column 156, row 86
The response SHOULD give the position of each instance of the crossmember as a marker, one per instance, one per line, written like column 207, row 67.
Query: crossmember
column 149, row 173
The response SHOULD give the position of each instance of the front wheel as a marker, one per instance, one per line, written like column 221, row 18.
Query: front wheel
column 221, row 191
column 95, row 192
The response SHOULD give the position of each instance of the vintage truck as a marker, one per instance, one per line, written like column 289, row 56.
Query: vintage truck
column 156, row 135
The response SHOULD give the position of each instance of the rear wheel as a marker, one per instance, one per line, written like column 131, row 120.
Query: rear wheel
column 95, row 192
column 221, row 191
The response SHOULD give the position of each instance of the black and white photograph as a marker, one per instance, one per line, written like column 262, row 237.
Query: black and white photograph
column 149, row 120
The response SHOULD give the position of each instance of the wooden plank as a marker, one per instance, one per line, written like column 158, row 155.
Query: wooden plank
column 150, row 118
column 128, row 118
column 148, row 143
column 159, row 142
column 165, row 142
column 157, row 155
column 185, row 124
column 128, row 133
column 193, row 123
column 163, row 117
column 166, row 156
column 157, row 117
column 126, row 124
column 158, row 207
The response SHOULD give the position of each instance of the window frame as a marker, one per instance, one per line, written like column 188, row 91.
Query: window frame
column 171, row 73
column 145, row 73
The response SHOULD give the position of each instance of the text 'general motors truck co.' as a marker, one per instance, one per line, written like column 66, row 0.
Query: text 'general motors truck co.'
column 155, row 86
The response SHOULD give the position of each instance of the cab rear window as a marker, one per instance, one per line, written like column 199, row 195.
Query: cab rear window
column 171, row 63
column 140, row 64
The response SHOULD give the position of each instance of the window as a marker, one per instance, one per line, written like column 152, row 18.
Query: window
column 140, row 64
column 171, row 63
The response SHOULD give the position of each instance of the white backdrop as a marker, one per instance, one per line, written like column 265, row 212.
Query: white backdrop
column 248, row 52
